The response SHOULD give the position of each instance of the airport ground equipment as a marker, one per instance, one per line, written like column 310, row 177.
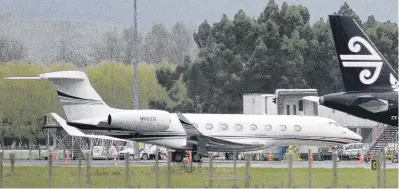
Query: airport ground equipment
column 379, row 145
column 61, row 140
column 74, row 145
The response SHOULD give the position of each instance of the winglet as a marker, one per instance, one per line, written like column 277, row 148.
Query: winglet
column 188, row 126
column 73, row 131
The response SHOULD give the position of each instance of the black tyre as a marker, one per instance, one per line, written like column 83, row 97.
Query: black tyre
column 178, row 157
column 197, row 157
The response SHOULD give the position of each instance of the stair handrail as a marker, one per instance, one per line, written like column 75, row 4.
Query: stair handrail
column 376, row 140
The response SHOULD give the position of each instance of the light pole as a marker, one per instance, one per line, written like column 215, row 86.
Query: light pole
column 135, row 72
column 136, row 63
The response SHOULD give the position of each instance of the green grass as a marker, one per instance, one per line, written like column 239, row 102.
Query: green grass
column 144, row 177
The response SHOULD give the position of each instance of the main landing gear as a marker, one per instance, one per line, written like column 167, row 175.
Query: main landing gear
column 178, row 156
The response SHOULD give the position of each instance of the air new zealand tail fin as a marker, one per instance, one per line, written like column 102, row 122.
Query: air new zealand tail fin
column 362, row 66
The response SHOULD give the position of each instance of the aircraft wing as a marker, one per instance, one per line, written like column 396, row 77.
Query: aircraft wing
column 73, row 131
column 207, row 142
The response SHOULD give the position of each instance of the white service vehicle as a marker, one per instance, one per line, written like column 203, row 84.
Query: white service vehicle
column 100, row 152
column 353, row 151
column 127, row 149
column 149, row 151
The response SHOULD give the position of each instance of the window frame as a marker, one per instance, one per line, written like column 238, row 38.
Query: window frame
column 268, row 126
column 250, row 127
column 207, row 128
column 241, row 127
column 300, row 105
column 221, row 126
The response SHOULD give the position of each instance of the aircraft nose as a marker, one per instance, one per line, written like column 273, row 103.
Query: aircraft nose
column 355, row 136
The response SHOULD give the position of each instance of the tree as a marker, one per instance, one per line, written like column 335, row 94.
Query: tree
column 345, row 10
column 156, row 44
column 180, row 43
column 11, row 49
column 280, row 49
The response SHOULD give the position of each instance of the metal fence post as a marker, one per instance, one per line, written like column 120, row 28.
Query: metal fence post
column 169, row 170
column 310, row 158
column 80, row 170
column 127, row 170
column 156, row 167
column 378, row 166
column 290, row 157
column 210, row 171
column 383, row 169
column 50, row 165
column 248, row 170
column 12, row 169
column 1, row 169
column 235, row 169
column 335, row 178
column 88, row 156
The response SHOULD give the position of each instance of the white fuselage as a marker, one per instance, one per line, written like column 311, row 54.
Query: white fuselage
column 85, row 110
column 256, row 131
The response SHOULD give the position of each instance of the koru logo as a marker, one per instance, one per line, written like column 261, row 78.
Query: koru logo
column 372, row 60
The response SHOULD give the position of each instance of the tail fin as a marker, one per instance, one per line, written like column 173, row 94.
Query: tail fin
column 78, row 98
column 357, row 54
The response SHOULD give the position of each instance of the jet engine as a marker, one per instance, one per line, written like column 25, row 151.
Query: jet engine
column 140, row 120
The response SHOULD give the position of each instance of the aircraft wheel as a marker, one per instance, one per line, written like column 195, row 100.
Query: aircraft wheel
column 177, row 156
column 231, row 156
column 197, row 157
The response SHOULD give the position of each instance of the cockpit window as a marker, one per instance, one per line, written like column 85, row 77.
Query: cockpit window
column 334, row 124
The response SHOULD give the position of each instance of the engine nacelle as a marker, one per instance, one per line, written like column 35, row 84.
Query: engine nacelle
column 140, row 120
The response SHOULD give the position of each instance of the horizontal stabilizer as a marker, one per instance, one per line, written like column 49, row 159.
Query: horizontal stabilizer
column 23, row 78
column 73, row 131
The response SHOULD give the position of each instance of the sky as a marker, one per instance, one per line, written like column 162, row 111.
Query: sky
column 168, row 12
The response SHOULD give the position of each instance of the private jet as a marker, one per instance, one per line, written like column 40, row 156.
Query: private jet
column 86, row 113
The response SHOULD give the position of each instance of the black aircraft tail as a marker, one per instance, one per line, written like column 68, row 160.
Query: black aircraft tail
column 363, row 67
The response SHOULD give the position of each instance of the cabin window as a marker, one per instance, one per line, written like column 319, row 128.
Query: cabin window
column 288, row 109
column 268, row 127
column 208, row 126
column 283, row 127
column 223, row 126
column 300, row 105
column 253, row 127
column 294, row 109
column 238, row 127
column 297, row 128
